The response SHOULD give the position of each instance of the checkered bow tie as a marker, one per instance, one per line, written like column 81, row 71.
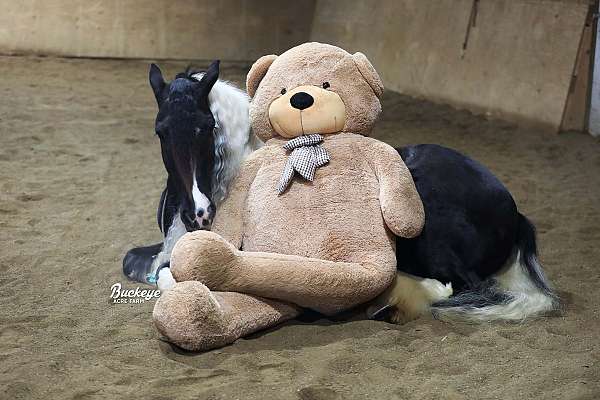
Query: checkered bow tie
column 307, row 155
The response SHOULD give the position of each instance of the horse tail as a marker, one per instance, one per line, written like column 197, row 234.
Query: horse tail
column 520, row 290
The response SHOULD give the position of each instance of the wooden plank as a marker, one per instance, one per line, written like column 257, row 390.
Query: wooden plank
column 575, row 115
column 594, row 117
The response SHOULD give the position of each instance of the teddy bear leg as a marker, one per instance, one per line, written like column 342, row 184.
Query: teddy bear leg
column 407, row 298
column 194, row 318
column 325, row 286
column 202, row 256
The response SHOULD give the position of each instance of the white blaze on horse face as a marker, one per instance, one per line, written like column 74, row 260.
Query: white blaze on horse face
column 201, row 202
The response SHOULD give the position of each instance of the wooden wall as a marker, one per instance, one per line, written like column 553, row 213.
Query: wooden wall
column 517, row 64
column 234, row 30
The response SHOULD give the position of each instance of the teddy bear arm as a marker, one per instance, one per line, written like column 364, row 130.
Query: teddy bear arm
column 401, row 204
column 229, row 221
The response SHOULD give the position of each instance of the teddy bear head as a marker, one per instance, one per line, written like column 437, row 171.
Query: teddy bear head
column 313, row 88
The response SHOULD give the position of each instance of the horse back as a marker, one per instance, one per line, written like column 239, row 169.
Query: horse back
column 471, row 218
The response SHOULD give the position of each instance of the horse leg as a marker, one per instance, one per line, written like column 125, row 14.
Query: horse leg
column 138, row 262
column 407, row 298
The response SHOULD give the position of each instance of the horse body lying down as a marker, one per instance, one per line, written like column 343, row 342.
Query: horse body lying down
column 474, row 238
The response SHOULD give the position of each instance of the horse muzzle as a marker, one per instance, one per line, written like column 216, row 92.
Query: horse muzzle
column 201, row 220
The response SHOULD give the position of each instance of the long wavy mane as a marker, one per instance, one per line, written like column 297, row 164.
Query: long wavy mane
column 232, row 135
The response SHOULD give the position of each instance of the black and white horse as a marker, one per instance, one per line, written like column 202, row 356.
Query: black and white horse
column 204, row 131
column 474, row 237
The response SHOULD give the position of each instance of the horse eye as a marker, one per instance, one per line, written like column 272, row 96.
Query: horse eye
column 326, row 85
column 283, row 91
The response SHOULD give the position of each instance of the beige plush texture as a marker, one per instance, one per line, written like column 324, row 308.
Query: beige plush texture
column 289, row 122
column 368, row 72
column 257, row 72
column 327, row 245
column 312, row 64
column 195, row 318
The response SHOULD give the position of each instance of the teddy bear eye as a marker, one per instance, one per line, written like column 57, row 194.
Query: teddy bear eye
column 326, row 85
column 283, row 91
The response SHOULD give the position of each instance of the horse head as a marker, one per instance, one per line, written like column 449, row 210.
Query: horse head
column 185, row 126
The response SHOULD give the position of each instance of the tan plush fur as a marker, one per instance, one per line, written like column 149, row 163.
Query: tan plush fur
column 350, row 76
column 194, row 318
column 327, row 245
column 327, row 116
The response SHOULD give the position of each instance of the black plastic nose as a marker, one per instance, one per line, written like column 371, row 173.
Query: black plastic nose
column 301, row 100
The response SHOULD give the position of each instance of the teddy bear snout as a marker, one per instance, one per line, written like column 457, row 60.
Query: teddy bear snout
column 307, row 109
column 301, row 100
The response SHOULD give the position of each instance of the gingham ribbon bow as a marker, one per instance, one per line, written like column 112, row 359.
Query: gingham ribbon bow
column 307, row 155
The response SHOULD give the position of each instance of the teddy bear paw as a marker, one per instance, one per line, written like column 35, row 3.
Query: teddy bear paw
column 206, row 257
column 189, row 315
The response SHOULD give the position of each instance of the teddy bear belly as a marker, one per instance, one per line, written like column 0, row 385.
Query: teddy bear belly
column 336, row 217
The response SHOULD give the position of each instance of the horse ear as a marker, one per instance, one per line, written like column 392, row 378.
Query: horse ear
column 157, row 82
column 258, row 72
column 210, row 76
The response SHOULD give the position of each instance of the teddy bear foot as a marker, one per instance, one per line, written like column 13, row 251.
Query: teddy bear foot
column 192, row 317
column 204, row 256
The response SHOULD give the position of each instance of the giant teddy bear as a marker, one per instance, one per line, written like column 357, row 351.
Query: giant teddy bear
column 311, row 217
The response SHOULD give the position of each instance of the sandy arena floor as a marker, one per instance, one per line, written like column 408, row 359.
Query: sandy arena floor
column 80, row 176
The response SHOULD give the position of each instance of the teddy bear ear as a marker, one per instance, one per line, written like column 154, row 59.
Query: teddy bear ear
column 368, row 72
column 257, row 72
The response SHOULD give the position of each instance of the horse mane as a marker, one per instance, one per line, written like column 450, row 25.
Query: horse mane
column 189, row 74
column 232, row 135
